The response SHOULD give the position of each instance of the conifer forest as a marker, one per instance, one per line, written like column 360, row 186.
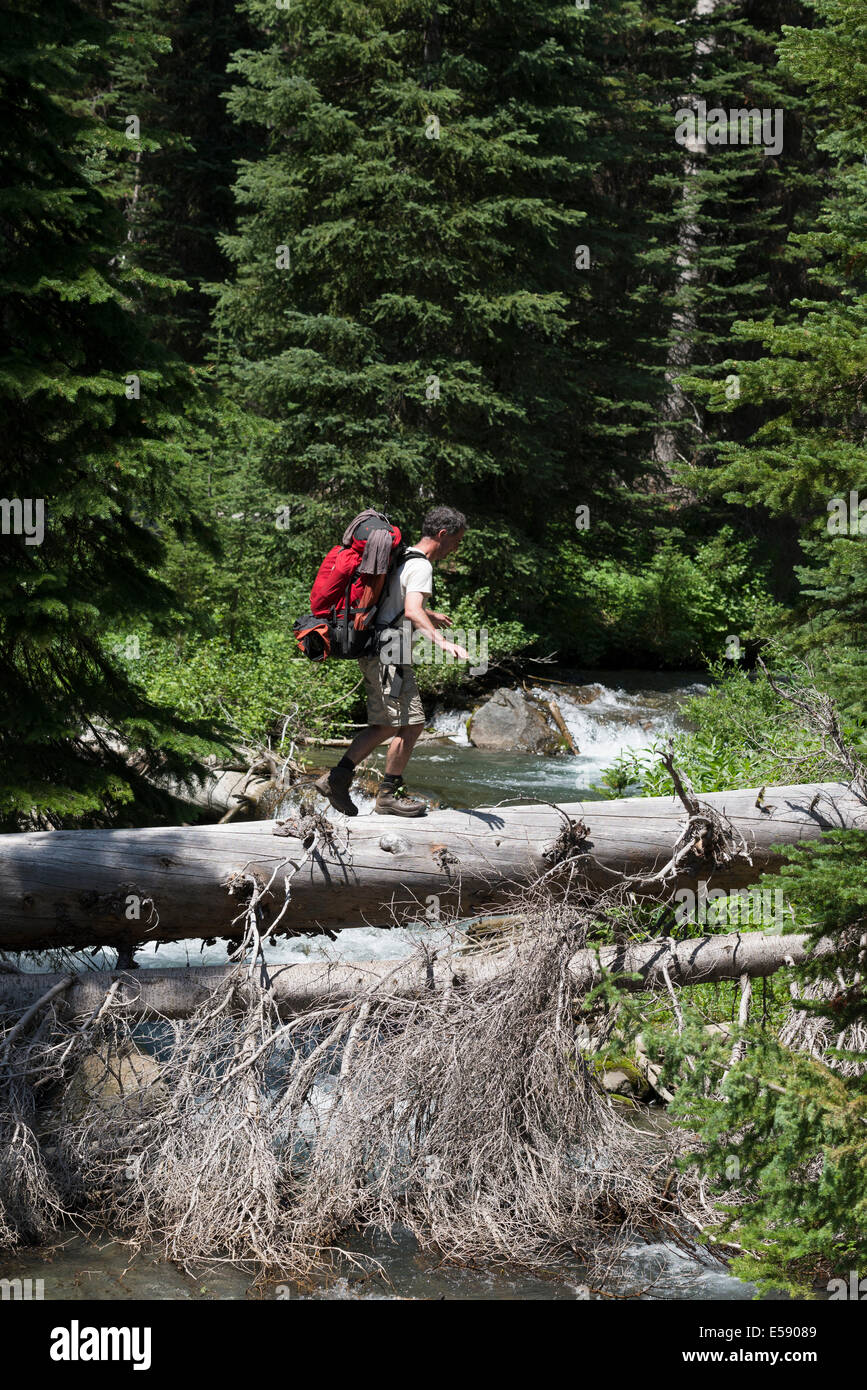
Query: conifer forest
column 455, row 411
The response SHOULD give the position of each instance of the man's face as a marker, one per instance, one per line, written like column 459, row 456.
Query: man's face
column 449, row 543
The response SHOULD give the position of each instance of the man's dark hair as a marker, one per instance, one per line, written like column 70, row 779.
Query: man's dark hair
column 446, row 519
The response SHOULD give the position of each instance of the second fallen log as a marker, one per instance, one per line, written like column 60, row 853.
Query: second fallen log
column 298, row 988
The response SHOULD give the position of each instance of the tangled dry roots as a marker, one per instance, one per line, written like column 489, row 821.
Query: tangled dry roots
column 474, row 1120
column 468, row 1115
column 806, row 1031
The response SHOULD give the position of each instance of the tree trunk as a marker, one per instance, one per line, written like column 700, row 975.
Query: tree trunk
column 80, row 888
column 175, row 993
column 675, row 408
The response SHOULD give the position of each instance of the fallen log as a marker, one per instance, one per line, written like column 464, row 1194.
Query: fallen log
column 237, row 790
column 232, row 786
column 78, row 888
column 175, row 993
column 562, row 726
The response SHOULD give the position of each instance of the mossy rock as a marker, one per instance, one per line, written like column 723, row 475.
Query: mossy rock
column 621, row 1077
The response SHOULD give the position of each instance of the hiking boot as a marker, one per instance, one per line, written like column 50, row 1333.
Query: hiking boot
column 396, row 803
column 335, row 785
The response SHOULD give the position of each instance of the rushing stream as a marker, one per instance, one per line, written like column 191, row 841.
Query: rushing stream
column 630, row 712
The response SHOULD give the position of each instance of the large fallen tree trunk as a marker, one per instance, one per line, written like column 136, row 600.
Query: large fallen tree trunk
column 176, row 993
column 240, row 788
column 79, row 888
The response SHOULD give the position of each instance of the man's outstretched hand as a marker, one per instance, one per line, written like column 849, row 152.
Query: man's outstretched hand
column 460, row 653
column 440, row 619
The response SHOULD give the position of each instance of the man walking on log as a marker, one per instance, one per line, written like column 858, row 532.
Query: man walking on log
column 394, row 708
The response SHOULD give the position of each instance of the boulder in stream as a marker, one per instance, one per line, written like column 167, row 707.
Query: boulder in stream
column 580, row 694
column 510, row 723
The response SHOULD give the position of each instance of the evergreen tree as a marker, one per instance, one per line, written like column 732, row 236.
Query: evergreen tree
column 411, row 307
column 430, row 261
column 806, row 459
column 704, row 250
column 787, row 1134
column 165, row 64
column 730, row 208
column 91, row 414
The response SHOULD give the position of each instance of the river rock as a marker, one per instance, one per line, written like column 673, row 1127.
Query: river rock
column 626, row 1079
column 580, row 694
column 718, row 1030
column 650, row 1070
column 617, row 1082
column 130, row 1077
column 510, row 723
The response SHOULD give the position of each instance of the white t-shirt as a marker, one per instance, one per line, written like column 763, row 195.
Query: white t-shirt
column 414, row 576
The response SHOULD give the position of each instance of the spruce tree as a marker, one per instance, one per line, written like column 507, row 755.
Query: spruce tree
column 805, row 463
column 786, row 1138
column 458, row 266
column 92, row 408
column 730, row 208
column 434, row 260
column 165, row 63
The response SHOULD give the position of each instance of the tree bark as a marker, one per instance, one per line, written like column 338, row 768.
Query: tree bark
column 79, row 888
column 175, row 993
column 675, row 408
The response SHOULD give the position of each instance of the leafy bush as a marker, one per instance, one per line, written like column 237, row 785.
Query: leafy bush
column 256, row 679
column 741, row 737
column 674, row 610
column 257, row 685
column 491, row 642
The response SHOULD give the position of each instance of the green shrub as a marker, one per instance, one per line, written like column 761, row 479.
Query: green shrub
column 256, row 685
column 675, row 609
column 743, row 735
column 447, row 679
column 785, row 1133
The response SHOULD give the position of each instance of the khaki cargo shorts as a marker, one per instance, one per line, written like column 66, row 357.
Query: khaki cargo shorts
column 392, row 693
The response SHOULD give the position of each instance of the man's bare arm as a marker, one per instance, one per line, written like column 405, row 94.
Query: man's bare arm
column 414, row 609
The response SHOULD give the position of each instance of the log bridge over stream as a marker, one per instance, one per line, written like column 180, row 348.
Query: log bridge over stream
column 119, row 888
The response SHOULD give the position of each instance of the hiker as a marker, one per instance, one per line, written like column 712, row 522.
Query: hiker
column 394, row 708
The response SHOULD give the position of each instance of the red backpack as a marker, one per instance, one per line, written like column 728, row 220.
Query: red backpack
column 339, row 595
